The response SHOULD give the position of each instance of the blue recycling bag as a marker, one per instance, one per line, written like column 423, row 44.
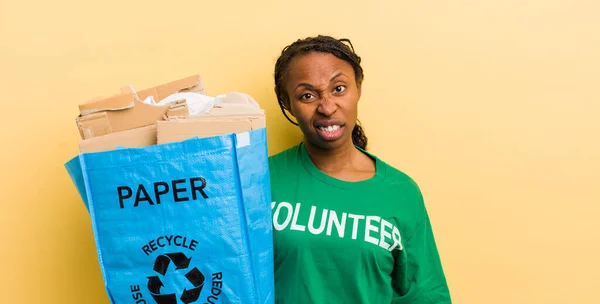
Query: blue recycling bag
column 183, row 222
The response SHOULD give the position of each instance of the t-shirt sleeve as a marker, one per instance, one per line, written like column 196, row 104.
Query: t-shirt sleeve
column 418, row 276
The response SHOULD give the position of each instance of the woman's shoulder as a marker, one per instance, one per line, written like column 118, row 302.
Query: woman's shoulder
column 393, row 174
column 285, row 159
column 399, row 184
column 285, row 155
column 397, row 179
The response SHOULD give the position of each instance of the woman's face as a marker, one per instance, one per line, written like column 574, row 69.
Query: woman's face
column 323, row 97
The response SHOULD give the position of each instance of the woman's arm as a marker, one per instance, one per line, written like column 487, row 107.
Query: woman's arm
column 418, row 276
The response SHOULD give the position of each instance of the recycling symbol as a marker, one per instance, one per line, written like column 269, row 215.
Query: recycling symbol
column 194, row 276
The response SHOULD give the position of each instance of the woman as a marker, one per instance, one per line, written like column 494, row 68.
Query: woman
column 348, row 228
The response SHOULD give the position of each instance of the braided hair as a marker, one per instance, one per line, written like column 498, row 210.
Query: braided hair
column 324, row 44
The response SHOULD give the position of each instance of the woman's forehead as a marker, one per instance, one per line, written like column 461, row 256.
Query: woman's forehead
column 317, row 66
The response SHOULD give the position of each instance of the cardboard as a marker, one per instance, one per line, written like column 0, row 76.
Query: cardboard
column 178, row 130
column 192, row 84
column 236, row 110
column 173, row 129
column 222, row 119
column 125, row 121
column 124, row 112
column 255, row 121
column 178, row 110
column 135, row 138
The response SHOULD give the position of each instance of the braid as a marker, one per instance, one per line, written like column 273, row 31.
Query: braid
column 341, row 48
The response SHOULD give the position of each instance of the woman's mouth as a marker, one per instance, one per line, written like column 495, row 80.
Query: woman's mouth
column 331, row 132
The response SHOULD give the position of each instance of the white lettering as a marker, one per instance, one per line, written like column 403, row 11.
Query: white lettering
column 377, row 230
column 369, row 227
column 295, row 225
column 287, row 219
column 356, row 219
column 396, row 237
column 340, row 225
column 384, row 234
column 311, row 221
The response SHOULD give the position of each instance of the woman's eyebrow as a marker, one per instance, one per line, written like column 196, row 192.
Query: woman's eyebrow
column 336, row 76
column 310, row 86
column 304, row 84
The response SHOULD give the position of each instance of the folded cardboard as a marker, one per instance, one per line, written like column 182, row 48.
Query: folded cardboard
column 126, row 111
column 191, row 84
column 125, row 121
column 171, row 131
column 178, row 110
column 205, row 126
column 256, row 121
column 234, row 109
column 135, row 138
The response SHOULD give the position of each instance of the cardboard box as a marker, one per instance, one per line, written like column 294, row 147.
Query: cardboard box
column 124, row 112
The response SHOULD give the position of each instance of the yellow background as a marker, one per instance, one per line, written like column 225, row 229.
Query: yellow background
column 491, row 106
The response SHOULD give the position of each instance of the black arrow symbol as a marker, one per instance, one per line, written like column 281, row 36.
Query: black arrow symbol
column 180, row 260
column 165, row 299
column 161, row 264
column 190, row 296
column 195, row 277
column 154, row 284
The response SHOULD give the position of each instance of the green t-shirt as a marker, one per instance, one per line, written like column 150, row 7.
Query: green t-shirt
column 367, row 242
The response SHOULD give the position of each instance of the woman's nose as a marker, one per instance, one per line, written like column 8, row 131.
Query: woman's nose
column 327, row 106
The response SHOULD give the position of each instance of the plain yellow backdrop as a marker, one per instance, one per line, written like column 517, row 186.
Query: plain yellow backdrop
column 491, row 106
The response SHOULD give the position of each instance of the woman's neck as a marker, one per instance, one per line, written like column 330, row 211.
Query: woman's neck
column 342, row 162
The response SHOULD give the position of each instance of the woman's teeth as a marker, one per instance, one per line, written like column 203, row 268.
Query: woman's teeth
column 330, row 129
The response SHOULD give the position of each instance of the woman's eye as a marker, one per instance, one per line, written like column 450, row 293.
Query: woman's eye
column 306, row 96
column 340, row 89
